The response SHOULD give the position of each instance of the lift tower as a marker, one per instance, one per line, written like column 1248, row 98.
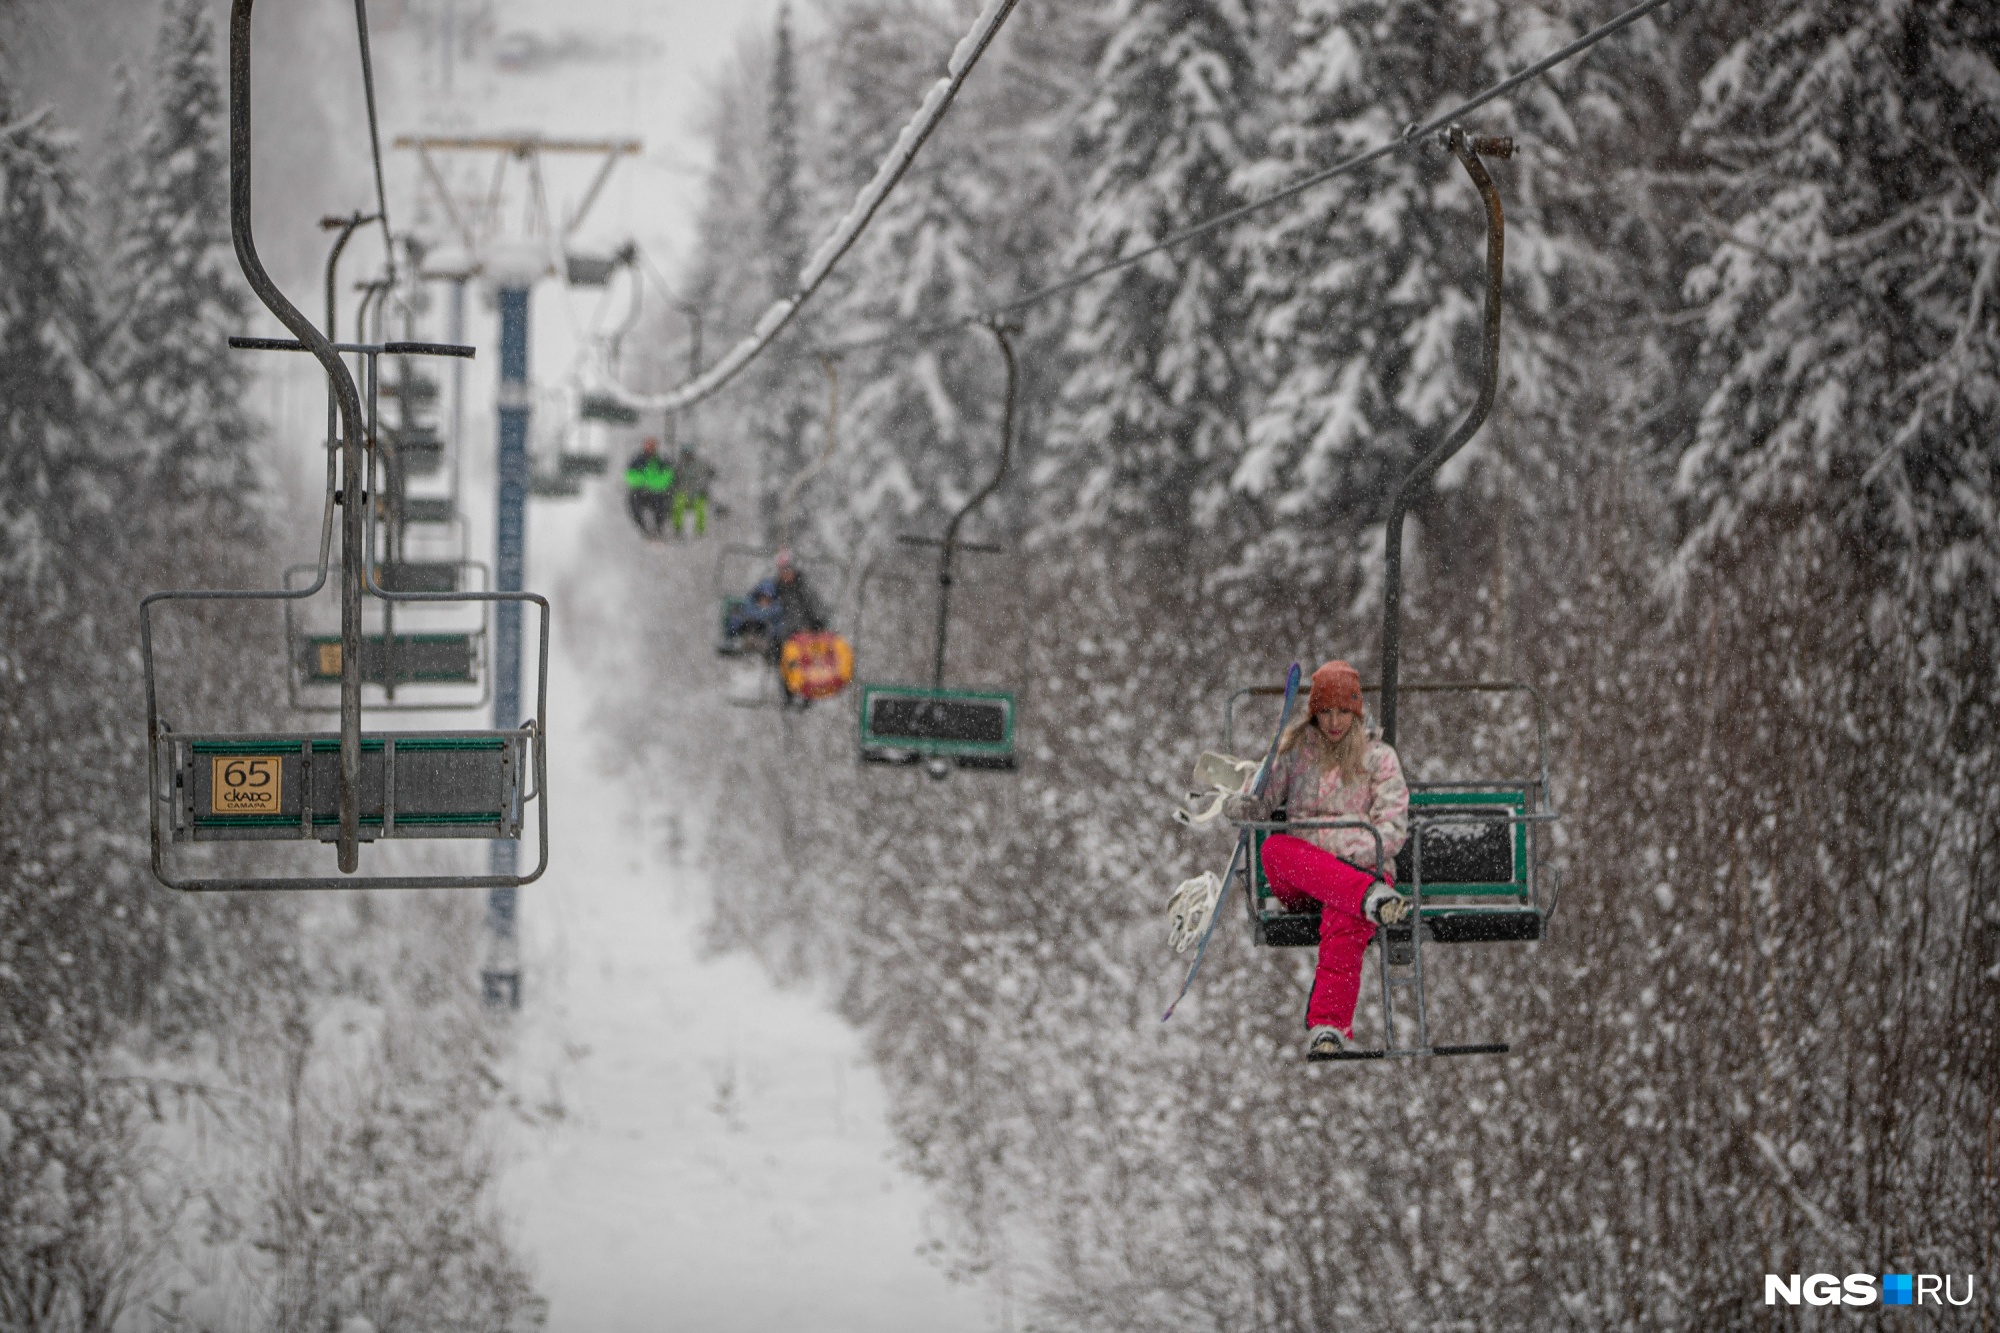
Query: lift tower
column 512, row 260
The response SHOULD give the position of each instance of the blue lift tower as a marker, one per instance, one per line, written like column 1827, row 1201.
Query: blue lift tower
column 513, row 265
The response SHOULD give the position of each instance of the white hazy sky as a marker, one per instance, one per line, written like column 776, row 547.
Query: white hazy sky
column 649, row 63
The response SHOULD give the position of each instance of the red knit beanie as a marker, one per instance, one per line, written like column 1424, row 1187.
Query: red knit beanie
column 1335, row 685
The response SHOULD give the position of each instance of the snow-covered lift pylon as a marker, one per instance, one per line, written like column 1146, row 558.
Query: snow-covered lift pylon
column 933, row 725
column 1471, row 867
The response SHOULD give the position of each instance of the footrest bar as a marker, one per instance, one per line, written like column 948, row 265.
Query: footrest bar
column 1413, row 1052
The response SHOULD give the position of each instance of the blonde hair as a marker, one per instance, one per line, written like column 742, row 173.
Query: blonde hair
column 1349, row 754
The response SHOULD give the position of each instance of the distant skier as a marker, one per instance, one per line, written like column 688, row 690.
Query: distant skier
column 691, row 492
column 649, row 483
column 754, row 620
column 1329, row 767
column 800, row 607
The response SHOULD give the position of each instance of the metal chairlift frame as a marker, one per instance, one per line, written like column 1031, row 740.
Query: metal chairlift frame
column 356, row 578
column 939, row 752
column 1400, row 954
column 374, row 297
column 298, row 685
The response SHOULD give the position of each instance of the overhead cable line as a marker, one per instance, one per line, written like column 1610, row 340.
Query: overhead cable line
column 781, row 312
column 374, row 133
column 1410, row 137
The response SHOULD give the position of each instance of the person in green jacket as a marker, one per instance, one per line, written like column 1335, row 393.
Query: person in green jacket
column 649, row 485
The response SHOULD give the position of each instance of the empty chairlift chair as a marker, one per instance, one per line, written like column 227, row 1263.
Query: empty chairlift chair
column 351, row 785
column 935, row 725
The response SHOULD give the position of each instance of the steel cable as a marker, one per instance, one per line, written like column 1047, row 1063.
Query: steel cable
column 374, row 133
column 1414, row 135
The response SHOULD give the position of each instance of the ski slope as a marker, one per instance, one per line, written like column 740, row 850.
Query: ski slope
column 684, row 1145
column 693, row 1148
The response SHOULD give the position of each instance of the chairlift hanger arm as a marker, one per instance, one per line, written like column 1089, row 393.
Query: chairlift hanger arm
column 346, row 226
column 352, row 423
column 1002, row 334
column 1467, row 150
column 812, row 469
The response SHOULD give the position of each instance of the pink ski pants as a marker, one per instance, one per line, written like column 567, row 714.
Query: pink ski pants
column 1300, row 874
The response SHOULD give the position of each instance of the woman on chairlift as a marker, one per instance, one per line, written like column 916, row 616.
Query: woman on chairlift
column 1329, row 767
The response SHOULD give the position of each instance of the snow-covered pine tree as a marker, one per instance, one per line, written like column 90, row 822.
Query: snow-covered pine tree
column 786, row 406
column 1853, row 297
column 1153, row 420
column 178, row 295
column 984, row 213
column 784, row 238
column 1841, row 544
column 50, row 477
column 1367, row 289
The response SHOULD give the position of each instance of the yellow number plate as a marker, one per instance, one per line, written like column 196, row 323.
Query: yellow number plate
column 329, row 659
column 247, row 784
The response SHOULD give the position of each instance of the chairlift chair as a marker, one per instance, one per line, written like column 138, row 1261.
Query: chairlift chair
column 417, row 449
column 935, row 725
column 1472, row 865
column 352, row 785
column 607, row 408
column 586, row 270
column 739, row 567
column 411, row 388
column 441, row 510
column 583, row 269
column 437, row 663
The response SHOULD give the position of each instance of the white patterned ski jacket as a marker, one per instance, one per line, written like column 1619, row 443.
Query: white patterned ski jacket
column 1305, row 783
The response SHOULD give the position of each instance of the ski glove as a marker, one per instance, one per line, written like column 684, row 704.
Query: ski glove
column 1246, row 808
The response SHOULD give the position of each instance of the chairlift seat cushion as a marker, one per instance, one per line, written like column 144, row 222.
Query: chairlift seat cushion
column 588, row 270
column 604, row 407
column 410, row 388
column 903, row 723
column 413, row 785
column 421, row 459
column 418, row 659
column 419, row 576
column 428, row 509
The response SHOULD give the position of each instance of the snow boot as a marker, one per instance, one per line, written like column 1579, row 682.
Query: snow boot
column 1384, row 906
column 1327, row 1044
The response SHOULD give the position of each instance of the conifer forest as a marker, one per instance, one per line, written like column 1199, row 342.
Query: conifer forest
column 1734, row 516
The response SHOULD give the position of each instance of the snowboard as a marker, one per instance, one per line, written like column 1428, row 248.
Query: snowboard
column 1239, row 859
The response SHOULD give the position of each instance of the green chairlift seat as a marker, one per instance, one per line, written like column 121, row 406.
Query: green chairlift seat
column 1474, row 881
column 419, row 450
column 588, row 270
column 418, row 659
column 429, row 509
column 607, row 408
column 572, row 465
column 258, row 788
column 420, row 576
column 412, row 389
column 908, row 724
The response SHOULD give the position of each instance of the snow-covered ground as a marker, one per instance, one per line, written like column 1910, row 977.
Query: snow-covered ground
column 696, row 1149
column 689, row 1147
